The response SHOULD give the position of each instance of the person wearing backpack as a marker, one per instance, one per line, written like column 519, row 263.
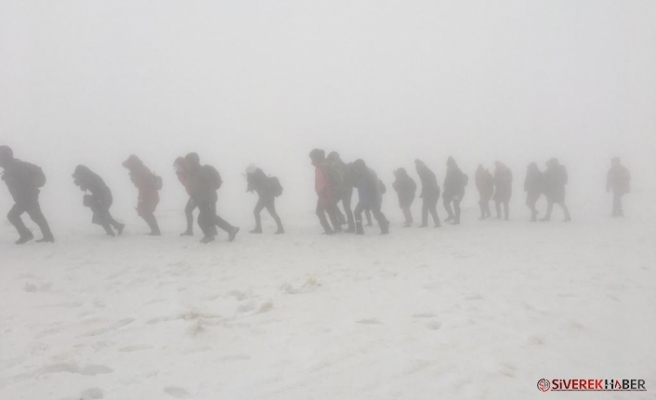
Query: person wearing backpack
column 369, row 196
column 618, row 181
column 454, row 190
column 555, row 179
column 502, row 189
column 99, row 201
column 406, row 188
column 267, row 189
column 327, row 193
column 24, row 181
column 204, row 181
column 430, row 194
column 148, row 185
column 533, row 186
column 341, row 173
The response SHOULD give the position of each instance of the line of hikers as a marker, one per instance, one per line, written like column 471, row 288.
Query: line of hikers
column 335, row 182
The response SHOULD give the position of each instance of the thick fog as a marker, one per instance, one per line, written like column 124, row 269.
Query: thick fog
column 387, row 81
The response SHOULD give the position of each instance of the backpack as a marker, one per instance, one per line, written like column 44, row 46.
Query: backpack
column 276, row 187
column 158, row 182
column 36, row 174
column 213, row 177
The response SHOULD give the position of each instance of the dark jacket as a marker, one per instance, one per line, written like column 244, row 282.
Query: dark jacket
column 555, row 179
column 429, row 187
column 406, row 188
column 89, row 181
column 19, row 176
column 502, row 183
column 368, row 187
column 259, row 183
column 204, row 181
column 534, row 182
column 484, row 183
column 619, row 179
column 454, row 182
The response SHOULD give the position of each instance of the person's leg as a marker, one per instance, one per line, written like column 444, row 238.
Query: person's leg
column 150, row 219
column 346, row 202
column 256, row 212
column 456, row 210
column 321, row 213
column 358, row 218
column 333, row 214
column 550, row 204
column 271, row 208
column 447, row 207
column 383, row 223
column 432, row 209
column 206, row 221
column 367, row 213
column 189, row 215
column 424, row 213
column 481, row 206
column 408, row 216
column 14, row 217
column 35, row 213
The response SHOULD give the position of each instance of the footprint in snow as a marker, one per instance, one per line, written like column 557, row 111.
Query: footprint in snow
column 177, row 392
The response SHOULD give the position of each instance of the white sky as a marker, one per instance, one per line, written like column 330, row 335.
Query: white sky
column 387, row 81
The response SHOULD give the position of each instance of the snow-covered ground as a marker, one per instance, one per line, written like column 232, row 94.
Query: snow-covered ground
column 479, row 311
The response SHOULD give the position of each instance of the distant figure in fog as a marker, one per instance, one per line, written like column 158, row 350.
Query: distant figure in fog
column 369, row 196
column 502, row 189
column 454, row 190
column 327, row 191
column 533, row 186
column 342, row 175
column 430, row 194
column 267, row 189
column 182, row 172
column 485, row 186
column 99, row 200
column 204, row 181
column 24, row 181
column 555, row 179
column 406, row 189
column 619, row 182
column 148, row 185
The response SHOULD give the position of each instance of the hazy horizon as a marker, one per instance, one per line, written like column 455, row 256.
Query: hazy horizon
column 240, row 83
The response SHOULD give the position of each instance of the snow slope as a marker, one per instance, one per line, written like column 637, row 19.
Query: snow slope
column 479, row 311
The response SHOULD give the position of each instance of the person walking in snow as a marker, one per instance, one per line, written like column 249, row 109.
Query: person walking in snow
column 369, row 196
column 24, row 181
column 99, row 200
column 502, row 189
column 430, row 194
column 533, row 186
column 267, row 189
column 555, row 179
column 148, row 185
column 618, row 181
column 454, row 190
column 406, row 189
column 327, row 193
column 485, row 187
column 342, row 175
column 204, row 181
